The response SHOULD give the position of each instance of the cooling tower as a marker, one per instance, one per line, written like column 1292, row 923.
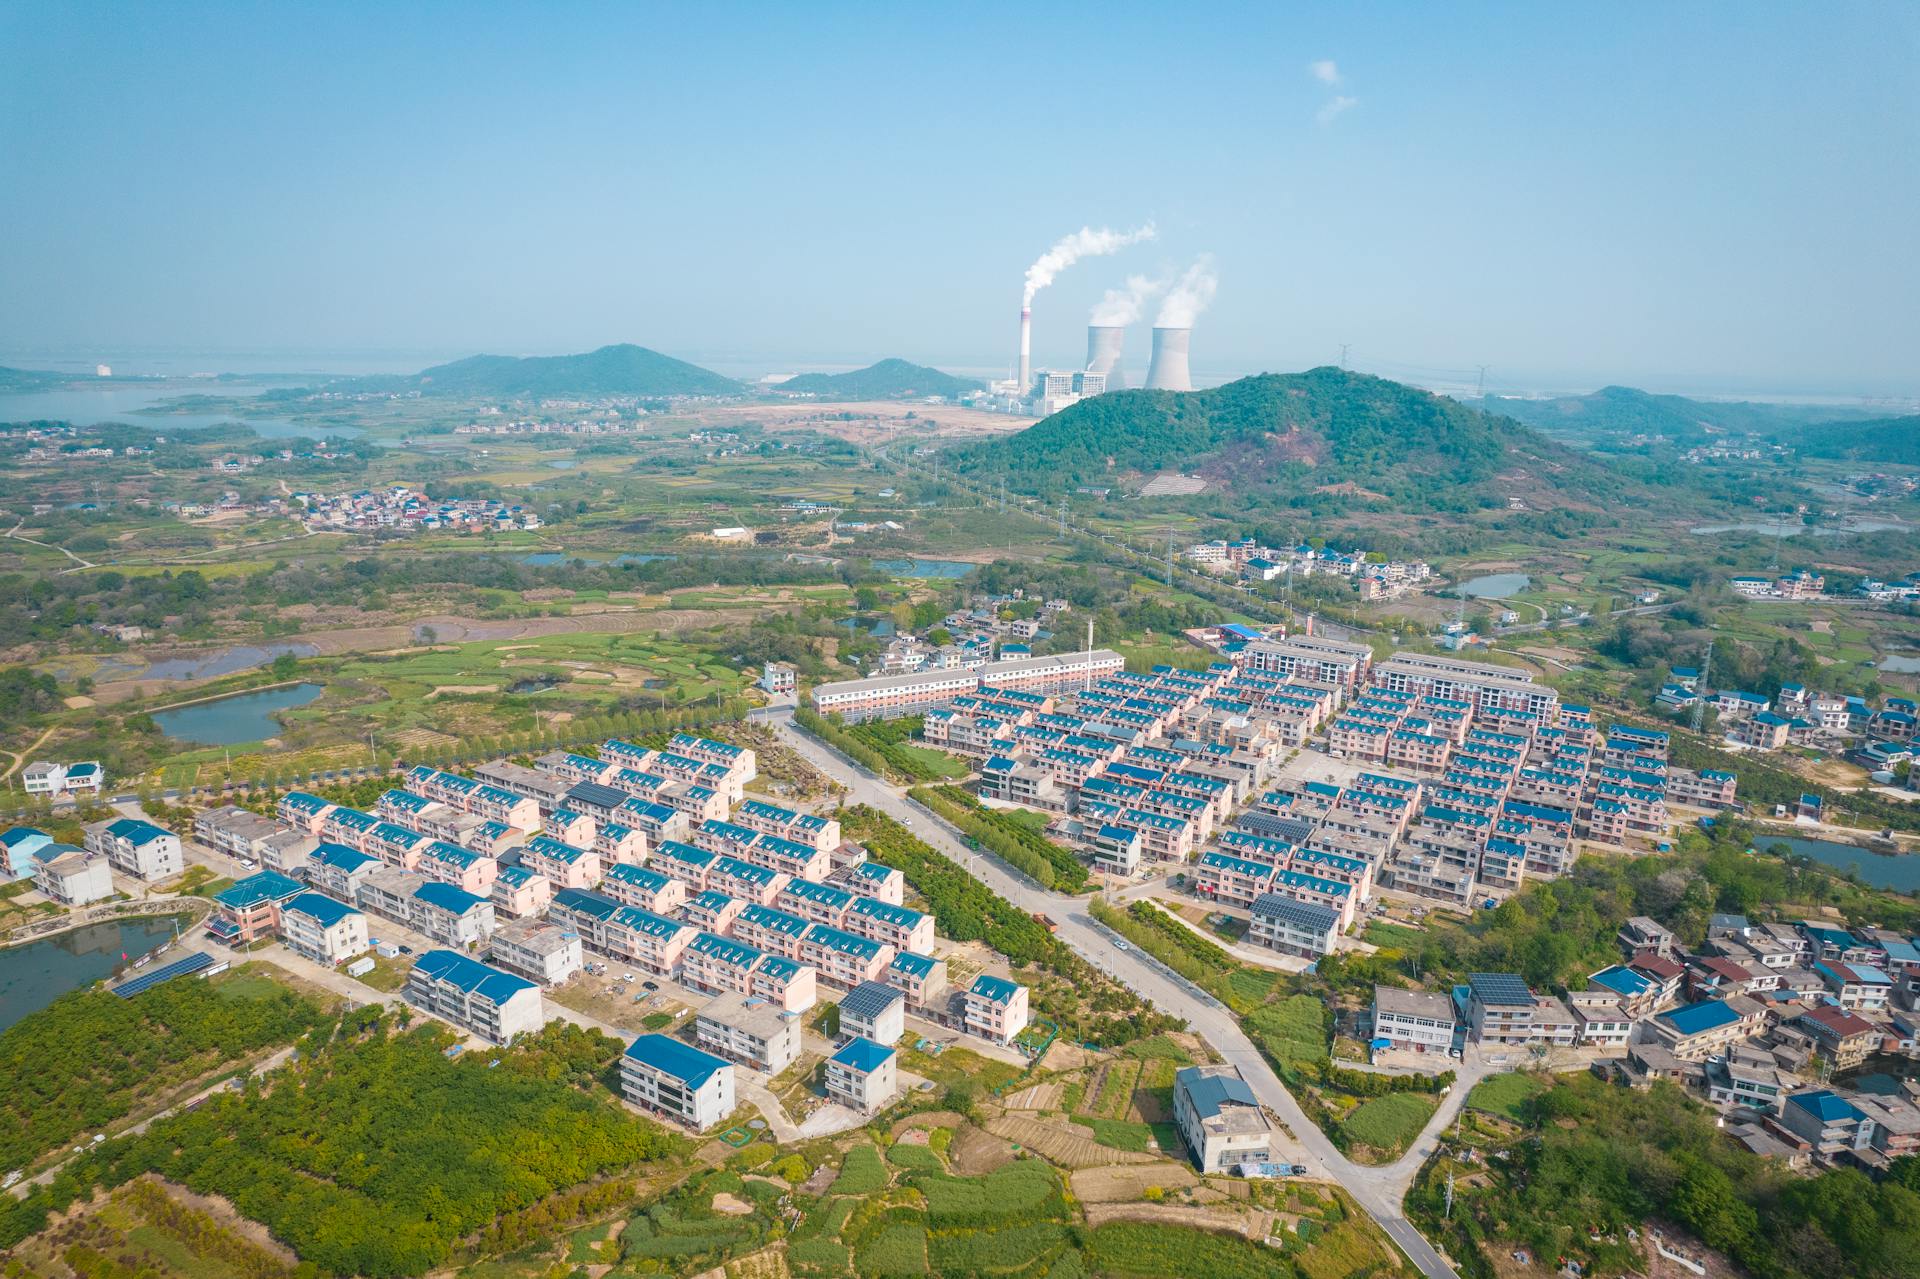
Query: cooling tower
column 1026, row 349
column 1168, row 372
column 1103, row 352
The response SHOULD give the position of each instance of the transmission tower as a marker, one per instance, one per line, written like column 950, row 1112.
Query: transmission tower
column 1480, row 387
column 1700, row 693
column 1344, row 348
column 1169, row 557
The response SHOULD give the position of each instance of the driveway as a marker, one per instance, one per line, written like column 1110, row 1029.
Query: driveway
column 1377, row 1190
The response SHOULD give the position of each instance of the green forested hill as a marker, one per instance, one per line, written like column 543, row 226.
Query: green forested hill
column 1277, row 435
column 1894, row 439
column 887, row 380
column 1616, row 412
column 612, row 370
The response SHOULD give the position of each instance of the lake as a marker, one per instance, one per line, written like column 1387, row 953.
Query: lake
column 90, row 406
column 925, row 568
column 34, row 975
column 1900, row 873
column 229, row 721
column 1494, row 586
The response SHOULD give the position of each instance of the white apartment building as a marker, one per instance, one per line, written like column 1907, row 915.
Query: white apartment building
column 1417, row 1019
column 538, row 949
column 759, row 1033
column 475, row 996
column 322, row 929
column 671, row 1078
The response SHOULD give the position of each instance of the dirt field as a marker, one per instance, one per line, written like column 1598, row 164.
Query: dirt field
column 976, row 1151
column 1254, row 1225
column 1128, row 1183
column 1036, row 1097
column 1061, row 1146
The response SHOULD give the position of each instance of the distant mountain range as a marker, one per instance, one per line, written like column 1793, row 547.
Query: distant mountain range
column 1277, row 436
column 612, row 370
column 887, row 380
column 1621, row 412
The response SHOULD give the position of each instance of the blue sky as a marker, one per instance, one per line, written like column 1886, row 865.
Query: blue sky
column 1709, row 197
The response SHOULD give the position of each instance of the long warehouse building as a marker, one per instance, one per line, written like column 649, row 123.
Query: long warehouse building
column 885, row 696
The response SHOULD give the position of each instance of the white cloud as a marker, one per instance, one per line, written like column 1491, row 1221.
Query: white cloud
column 1325, row 71
column 1333, row 109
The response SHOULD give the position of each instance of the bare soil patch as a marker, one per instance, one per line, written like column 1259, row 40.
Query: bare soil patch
column 1127, row 1183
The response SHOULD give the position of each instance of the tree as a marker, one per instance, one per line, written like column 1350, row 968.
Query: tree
column 284, row 666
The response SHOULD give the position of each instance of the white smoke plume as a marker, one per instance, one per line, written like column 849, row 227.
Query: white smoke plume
column 1189, row 296
column 1084, row 243
column 1123, row 306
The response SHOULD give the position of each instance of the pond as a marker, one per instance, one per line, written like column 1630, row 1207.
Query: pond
column 229, row 721
column 1901, row 872
column 925, row 568
column 226, row 662
column 1494, row 586
column 1900, row 665
column 90, row 406
column 34, row 975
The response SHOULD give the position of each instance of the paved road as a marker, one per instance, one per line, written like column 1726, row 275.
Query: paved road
column 1377, row 1190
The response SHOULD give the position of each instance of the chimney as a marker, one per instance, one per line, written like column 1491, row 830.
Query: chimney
column 1168, row 372
column 1026, row 350
column 1103, row 352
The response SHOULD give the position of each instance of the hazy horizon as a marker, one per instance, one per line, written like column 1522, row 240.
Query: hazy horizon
column 1710, row 201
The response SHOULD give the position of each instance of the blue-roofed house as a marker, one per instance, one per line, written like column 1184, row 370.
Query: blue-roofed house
column 20, row 843
column 475, row 996
column 1834, row 1125
column 250, row 909
column 1638, row 994
column 137, row 847
column 921, row 978
column 322, row 929
column 1696, row 1032
column 996, row 1008
column 451, row 916
column 863, row 1075
column 678, row 1080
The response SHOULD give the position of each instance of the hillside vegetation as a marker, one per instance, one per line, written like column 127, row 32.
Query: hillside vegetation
column 887, row 380
column 1894, row 439
column 612, row 370
column 1279, row 435
column 1615, row 412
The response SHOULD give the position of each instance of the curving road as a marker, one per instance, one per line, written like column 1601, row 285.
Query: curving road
column 1378, row 1190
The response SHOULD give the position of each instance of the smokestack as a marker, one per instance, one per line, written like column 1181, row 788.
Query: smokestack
column 1026, row 349
column 1103, row 351
column 1168, row 372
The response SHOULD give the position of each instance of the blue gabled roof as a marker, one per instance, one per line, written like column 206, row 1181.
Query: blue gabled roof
column 321, row 907
column 266, row 886
column 1621, row 981
column 677, row 1060
column 137, row 832
column 471, row 975
column 1695, row 1018
column 1826, row 1106
column 342, row 857
column 455, row 901
column 997, row 989
column 863, row 1055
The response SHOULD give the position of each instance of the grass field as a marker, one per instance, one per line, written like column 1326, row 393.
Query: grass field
column 1507, row 1094
column 1389, row 1124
